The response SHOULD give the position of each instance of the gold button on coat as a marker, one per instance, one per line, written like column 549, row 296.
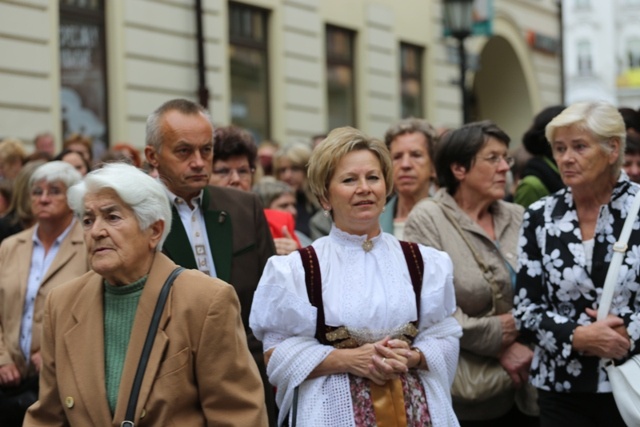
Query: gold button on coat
column 69, row 402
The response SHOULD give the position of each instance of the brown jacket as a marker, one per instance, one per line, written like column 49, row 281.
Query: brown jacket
column 15, row 262
column 200, row 371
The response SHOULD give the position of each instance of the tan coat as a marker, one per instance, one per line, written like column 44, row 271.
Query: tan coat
column 15, row 261
column 200, row 371
column 427, row 224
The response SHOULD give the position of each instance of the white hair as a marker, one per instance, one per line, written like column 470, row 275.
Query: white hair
column 56, row 171
column 142, row 193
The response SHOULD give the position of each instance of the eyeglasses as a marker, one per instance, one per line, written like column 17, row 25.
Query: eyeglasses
column 243, row 173
column 50, row 191
column 495, row 160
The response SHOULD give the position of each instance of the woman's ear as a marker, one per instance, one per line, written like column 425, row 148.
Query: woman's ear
column 155, row 233
column 458, row 171
column 614, row 143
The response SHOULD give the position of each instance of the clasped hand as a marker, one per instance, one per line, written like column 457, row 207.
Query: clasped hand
column 606, row 338
column 384, row 360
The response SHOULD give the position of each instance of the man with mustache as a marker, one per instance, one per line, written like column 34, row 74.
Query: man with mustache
column 219, row 231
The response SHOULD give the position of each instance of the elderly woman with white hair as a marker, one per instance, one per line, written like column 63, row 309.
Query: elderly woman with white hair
column 98, row 332
column 33, row 262
column 566, row 245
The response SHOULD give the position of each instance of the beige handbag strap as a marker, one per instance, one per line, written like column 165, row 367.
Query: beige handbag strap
column 486, row 271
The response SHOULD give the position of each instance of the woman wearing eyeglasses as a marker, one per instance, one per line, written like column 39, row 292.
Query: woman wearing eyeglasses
column 468, row 219
column 234, row 165
column 33, row 262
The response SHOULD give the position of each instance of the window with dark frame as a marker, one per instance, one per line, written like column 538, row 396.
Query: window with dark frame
column 411, row 87
column 249, row 64
column 83, row 76
column 341, row 93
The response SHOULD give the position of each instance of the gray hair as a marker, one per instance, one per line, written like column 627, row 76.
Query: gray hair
column 600, row 119
column 56, row 171
column 154, row 135
column 413, row 125
column 269, row 189
column 143, row 194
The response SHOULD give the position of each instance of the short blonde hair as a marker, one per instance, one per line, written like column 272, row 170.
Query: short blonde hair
column 12, row 151
column 601, row 119
column 339, row 143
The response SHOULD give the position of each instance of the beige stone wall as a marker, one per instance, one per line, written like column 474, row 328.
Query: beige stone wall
column 151, row 51
column 29, row 94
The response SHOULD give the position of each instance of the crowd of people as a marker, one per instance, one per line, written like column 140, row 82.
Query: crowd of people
column 421, row 279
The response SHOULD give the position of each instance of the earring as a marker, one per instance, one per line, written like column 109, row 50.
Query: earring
column 384, row 208
column 326, row 213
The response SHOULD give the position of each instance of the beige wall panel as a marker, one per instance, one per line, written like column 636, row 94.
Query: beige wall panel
column 306, row 20
column 160, row 45
column 24, row 124
column 382, row 106
column 160, row 76
column 161, row 16
column 26, row 91
column 548, row 81
column 381, row 39
column 378, row 127
column 309, row 97
column 25, row 56
column 379, row 14
column 141, row 103
column 303, row 70
column 311, row 4
column 210, row 5
column 213, row 24
column 216, row 56
column 44, row 4
column 449, row 93
column 25, row 22
column 390, row 87
column 303, row 45
column 216, row 81
column 136, row 131
column 304, row 122
column 217, row 107
column 383, row 84
column 381, row 61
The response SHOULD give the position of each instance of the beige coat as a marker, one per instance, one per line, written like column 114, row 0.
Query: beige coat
column 200, row 371
column 427, row 224
column 15, row 261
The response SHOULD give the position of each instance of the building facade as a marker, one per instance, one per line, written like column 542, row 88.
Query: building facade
column 285, row 69
column 602, row 51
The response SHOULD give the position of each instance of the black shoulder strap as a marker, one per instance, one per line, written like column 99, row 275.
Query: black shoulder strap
column 146, row 349
column 415, row 263
column 313, row 282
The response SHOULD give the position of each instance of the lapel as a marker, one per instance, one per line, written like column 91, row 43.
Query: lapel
column 177, row 245
column 160, row 270
column 81, row 342
column 71, row 245
column 220, row 234
column 24, row 249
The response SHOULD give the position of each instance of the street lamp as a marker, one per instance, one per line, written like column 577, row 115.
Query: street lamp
column 458, row 19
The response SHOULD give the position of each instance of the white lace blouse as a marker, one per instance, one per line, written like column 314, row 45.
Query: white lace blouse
column 371, row 294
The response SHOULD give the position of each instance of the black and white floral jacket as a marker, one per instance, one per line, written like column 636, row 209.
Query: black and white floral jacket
column 554, row 286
